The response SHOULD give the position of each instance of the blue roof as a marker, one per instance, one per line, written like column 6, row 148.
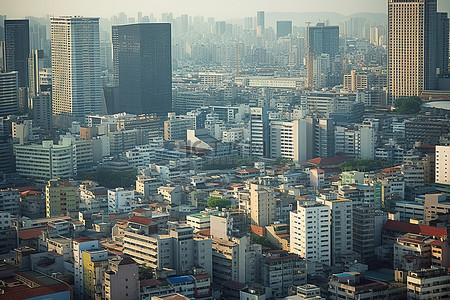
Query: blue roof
column 343, row 274
column 181, row 279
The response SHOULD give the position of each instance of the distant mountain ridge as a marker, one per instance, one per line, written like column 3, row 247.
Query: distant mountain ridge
column 300, row 18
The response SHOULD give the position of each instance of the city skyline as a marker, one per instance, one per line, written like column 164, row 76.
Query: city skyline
column 224, row 10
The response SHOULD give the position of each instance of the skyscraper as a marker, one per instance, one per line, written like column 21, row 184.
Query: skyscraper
column 260, row 23
column 418, row 46
column 284, row 28
column 323, row 39
column 76, row 83
column 9, row 93
column 17, row 48
column 143, row 66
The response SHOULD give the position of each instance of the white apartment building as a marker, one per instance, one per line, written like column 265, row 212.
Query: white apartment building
column 76, row 82
column 262, row 205
column 120, row 200
column 175, row 128
column 141, row 156
column 80, row 245
column 442, row 161
column 310, row 232
column 341, row 225
column 178, row 250
column 272, row 82
column 42, row 162
column 291, row 139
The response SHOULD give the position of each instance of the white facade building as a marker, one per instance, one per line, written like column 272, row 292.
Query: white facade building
column 120, row 200
column 310, row 232
column 76, row 82
column 442, row 161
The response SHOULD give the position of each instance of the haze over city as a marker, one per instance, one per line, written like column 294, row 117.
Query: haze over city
column 220, row 9
column 235, row 150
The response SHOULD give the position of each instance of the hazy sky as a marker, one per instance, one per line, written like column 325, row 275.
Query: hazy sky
column 223, row 9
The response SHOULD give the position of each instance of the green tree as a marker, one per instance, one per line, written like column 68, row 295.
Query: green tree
column 145, row 273
column 218, row 202
column 263, row 241
column 408, row 105
column 364, row 165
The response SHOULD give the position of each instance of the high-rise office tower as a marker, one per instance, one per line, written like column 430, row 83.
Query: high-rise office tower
column 76, row 83
column 323, row 39
column 9, row 93
column 33, row 68
column 143, row 66
column 17, row 48
column 260, row 23
column 259, row 132
column 284, row 28
column 418, row 35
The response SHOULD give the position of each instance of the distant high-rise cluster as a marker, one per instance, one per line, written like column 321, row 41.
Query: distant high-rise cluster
column 418, row 47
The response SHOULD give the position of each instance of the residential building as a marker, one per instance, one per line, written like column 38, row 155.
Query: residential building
column 262, row 205
column 423, row 283
column 9, row 201
column 46, row 161
column 80, row 245
column 364, row 232
column 341, row 216
column 310, row 228
column 95, row 262
column 62, row 198
column 76, row 82
column 280, row 271
column 442, row 159
column 353, row 285
column 259, row 132
column 121, row 200
column 355, row 81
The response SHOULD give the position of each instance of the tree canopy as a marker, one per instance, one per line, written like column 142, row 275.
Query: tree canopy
column 218, row 202
column 364, row 165
column 110, row 179
column 408, row 105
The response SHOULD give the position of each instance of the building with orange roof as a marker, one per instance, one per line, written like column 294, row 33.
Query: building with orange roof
column 33, row 285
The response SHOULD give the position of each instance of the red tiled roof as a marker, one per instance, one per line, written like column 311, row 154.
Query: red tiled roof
column 31, row 233
column 437, row 243
column 206, row 232
column 28, row 188
column 415, row 228
column 393, row 169
column 150, row 282
column 154, row 204
column 319, row 161
column 202, row 276
column 30, row 192
column 24, row 292
column 141, row 220
column 127, row 261
column 83, row 239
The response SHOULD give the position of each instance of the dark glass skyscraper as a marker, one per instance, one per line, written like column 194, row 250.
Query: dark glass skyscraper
column 143, row 67
column 284, row 28
column 17, row 48
column 324, row 39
